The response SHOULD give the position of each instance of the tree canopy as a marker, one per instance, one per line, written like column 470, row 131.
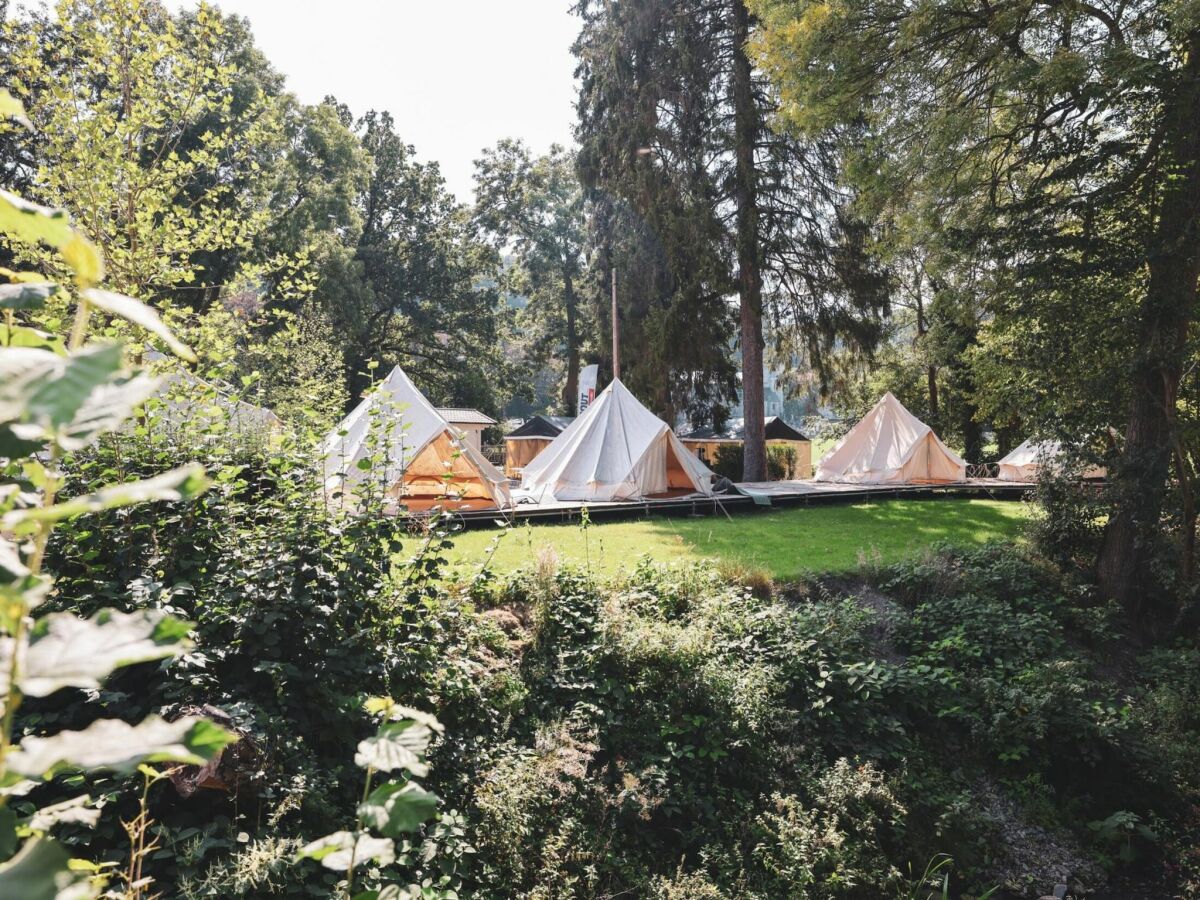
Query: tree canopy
column 1060, row 141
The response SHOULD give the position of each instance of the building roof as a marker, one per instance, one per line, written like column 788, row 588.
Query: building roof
column 458, row 416
column 776, row 429
column 541, row 426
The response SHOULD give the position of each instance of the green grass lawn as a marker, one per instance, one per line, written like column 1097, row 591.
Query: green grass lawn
column 785, row 542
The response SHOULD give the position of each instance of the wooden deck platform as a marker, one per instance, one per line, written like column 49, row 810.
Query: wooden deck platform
column 751, row 496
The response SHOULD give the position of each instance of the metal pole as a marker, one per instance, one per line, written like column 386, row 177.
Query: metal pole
column 616, row 329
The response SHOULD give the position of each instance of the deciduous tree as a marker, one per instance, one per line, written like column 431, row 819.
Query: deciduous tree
column 533, row 206
column 1067, row 133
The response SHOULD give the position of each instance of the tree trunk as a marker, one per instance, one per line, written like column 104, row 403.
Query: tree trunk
column 930, row 370
column 931, row 379
column 972, row 433
column 749, row 263
column 1005, row 440
column 571, row 392
column 1165, row 317
column 1187, row 481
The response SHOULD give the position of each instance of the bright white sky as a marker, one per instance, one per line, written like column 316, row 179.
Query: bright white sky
column 457, row 75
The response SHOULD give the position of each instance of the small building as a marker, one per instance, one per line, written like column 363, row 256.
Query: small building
column 705, row 442
column 525, row 442
column 471, row 423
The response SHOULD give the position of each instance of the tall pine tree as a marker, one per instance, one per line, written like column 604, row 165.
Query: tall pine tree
column 675, row 133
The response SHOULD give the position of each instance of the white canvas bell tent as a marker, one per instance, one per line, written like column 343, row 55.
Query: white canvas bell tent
column 1026, row 461
column 396, row 439
column 615, row 450
column 185, row 401
column 891, row 446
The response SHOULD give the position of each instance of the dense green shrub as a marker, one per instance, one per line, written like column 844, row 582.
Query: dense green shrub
column 1031, row 685
column 1068, row 524
column 728, row 461
column 300, row 612
column 830, row 846
column 667, row 712
column 681, row 736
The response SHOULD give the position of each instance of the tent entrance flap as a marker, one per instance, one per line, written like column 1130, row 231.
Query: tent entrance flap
column 662, row 473
column 677, row 476
column 650, row 473
column 441, row 471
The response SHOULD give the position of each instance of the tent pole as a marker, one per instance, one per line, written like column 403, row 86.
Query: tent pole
column 616, row 330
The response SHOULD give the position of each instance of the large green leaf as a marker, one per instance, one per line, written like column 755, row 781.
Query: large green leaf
column 335, row 851
column 20, row 336
column 108, row 406
column 392, row 809
column 389, row 709
column 19, row 597
column 116, row 745
column 76, row 811
column 178, row 484
column 12, row 108
column 76, row 397
column 26, row 295
column 33, row 224
column 11, row 565
column 42, row 387
column 139, row 314
column 396, row 745
column 67, row 651
column 41, row 872
column 84, row 257
column 21, row 440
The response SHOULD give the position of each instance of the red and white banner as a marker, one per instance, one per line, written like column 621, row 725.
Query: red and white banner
column 587, row 387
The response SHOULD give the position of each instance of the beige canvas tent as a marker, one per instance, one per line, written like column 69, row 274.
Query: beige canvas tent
column 891, row 446
column 616, row 450
column 1026, row 461
column 414, row 454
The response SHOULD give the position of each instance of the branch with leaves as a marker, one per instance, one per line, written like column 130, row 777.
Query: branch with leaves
column 57, row 396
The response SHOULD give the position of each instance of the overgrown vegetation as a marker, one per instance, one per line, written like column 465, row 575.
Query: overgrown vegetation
column 781, row 461
column 675, row 732
column 217, row 683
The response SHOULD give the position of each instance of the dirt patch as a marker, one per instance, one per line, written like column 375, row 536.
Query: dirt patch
column 1033, row 859
column 511, row 618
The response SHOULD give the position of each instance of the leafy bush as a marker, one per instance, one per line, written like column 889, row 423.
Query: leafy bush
column 728, row 461
column 1021, row 675
column 1068, row 524
column 666, row 709
column 55, row 397
column 300, row 612
column 831, row 846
